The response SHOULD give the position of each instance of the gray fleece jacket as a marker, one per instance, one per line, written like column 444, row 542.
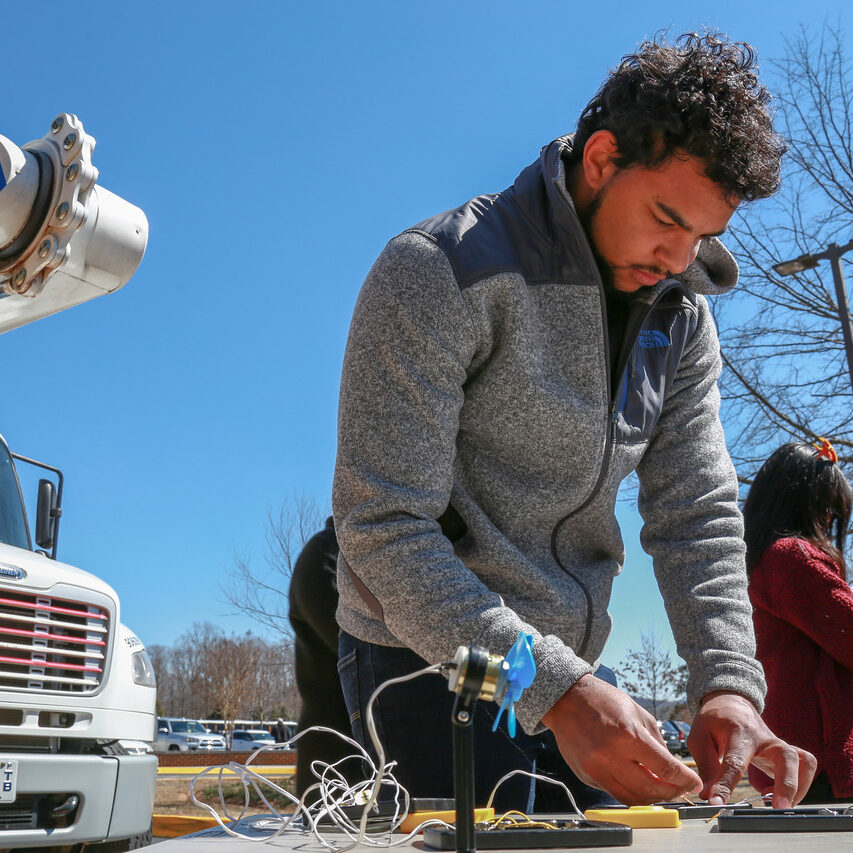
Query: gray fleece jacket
column 480, row 449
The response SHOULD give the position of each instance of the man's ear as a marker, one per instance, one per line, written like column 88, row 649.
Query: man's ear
column 598, row 155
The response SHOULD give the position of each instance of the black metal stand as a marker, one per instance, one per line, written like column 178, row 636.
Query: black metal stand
column 469, row 673
column 463, row 773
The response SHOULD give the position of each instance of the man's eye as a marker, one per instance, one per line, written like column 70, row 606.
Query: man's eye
column 663, row 222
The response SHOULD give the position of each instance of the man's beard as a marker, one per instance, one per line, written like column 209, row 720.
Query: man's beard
column 587, row 217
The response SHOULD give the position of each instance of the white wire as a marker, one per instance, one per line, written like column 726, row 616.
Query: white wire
column 540, row 777
column 380, row 751
column 332, row 790
column 311, row 814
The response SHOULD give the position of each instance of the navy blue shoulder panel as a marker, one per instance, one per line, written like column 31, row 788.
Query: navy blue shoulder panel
column 503, row 232
column 653, row 364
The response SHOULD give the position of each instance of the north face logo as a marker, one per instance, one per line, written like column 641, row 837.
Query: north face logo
column 650, row 338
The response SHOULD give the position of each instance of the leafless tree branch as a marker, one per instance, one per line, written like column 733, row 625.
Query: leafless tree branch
column 785, row 376
column 262, row 593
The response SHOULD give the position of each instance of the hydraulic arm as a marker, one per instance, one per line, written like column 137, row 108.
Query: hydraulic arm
column 63, row 238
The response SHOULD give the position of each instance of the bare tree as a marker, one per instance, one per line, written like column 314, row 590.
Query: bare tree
column 231, row 669
column 649, row 674
column 159, row 656
column 208, row 673
column 180, row 688
column 785, row 373
column 680, row 710
column 261, row 593
column 276, row 694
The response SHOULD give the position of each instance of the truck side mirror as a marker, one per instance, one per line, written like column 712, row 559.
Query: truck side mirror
column 46, row 515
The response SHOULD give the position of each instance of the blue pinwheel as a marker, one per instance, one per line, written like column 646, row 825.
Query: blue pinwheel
column 522, row 671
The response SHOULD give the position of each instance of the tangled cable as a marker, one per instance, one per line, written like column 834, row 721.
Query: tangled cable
column 334, row 794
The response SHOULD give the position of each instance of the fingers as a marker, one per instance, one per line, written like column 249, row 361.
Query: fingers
column 806, row 773
column 635, row 786
column 706, row 754
column 721, row 773
column 727, row 733
column 792, row 770
column 729, row 772
column 672, row 772
column 724, row 745
column 650, row 774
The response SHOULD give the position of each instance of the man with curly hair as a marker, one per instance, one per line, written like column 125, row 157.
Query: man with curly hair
column 509, row 363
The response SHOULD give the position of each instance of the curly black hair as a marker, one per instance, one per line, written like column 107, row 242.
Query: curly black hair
column 701, row 97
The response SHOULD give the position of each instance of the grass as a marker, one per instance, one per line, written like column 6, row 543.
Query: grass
column 173, row 797
column 235, row 794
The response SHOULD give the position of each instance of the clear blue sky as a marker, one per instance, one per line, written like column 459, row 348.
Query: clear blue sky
column 275, row 147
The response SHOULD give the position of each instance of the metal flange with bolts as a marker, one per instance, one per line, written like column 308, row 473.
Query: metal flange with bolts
column 60, row 205
column 63, row 238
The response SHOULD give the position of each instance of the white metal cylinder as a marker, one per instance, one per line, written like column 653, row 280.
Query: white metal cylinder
column 116, row 242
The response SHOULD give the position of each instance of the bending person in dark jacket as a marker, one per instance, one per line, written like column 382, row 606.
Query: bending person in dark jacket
column 509, row 363
column 313, row 599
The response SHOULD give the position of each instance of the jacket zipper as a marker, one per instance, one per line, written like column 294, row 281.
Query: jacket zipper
column 609, row 439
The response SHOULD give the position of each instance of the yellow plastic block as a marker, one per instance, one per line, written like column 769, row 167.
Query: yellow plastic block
column 173, row 825
column 637, row 817
column 414, row 819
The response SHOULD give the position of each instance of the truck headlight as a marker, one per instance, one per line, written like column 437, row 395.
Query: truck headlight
column 143, row 672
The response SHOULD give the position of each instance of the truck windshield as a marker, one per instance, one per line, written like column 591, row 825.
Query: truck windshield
column 186, row 726
column 13, row 522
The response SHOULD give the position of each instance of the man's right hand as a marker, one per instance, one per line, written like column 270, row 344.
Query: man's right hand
column 612, row 743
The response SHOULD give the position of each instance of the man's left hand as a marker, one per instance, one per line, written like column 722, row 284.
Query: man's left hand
column 728, row 735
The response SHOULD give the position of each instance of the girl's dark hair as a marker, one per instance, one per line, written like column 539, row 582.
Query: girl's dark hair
column 700, row 97
column 793, row 494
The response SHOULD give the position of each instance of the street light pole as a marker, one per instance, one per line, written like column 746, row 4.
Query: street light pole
column 832, row 253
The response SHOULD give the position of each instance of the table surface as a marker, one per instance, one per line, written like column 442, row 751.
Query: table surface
column 693, row 836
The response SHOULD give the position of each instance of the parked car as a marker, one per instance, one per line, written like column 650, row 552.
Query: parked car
column 670, row 735
column 683, row 731
column 218, row 726
column 248, row 740
column 182, row 735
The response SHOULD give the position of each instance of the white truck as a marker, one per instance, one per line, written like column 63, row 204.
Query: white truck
column 74, row 681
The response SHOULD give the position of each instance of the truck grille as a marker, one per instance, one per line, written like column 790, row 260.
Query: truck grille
column 51, row 644
column 37, row 811
column 22, row 814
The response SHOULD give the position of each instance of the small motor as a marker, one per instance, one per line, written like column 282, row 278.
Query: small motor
column 477, row 674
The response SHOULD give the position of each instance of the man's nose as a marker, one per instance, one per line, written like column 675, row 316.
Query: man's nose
column 677, row 253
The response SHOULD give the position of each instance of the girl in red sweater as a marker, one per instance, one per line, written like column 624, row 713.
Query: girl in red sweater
column 796, row 517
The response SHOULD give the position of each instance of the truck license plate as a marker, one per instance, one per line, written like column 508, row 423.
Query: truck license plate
column 8, row 781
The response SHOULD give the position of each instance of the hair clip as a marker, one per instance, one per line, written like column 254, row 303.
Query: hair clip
column 825, row 450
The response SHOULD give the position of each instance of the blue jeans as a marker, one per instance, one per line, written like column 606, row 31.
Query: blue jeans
column 413, row 720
